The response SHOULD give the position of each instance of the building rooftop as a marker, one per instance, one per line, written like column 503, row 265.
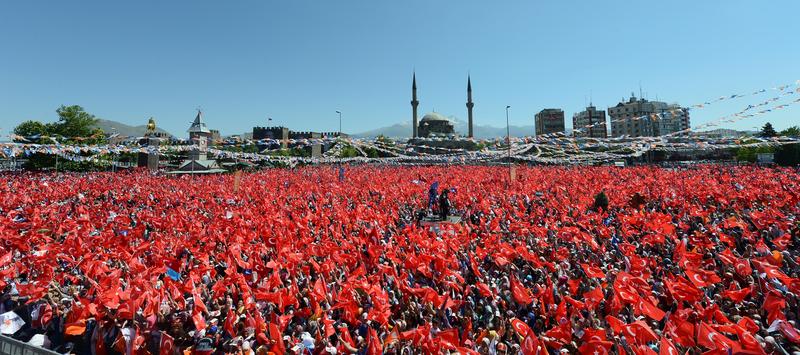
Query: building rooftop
column 198, row 126
column 433, row 116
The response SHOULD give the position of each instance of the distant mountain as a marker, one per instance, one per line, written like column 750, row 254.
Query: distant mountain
column 109, row 127
column 403, row 130
column 397, row 130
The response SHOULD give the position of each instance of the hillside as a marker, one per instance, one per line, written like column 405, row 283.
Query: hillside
column 110, row 126
column 400, row 130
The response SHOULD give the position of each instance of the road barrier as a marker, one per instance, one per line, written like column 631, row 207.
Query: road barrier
column 9, row 346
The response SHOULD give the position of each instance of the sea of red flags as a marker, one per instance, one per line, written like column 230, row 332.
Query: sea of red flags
column 702, row 260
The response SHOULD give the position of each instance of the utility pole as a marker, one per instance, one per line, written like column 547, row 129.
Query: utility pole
column 508, row 141
column 340, row 122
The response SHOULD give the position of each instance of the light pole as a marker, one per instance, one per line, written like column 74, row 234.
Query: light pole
column 113, row 134
column 508, row 141
column 339, row 140
column 340, row 122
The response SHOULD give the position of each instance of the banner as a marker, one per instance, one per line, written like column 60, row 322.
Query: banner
column 10, row 323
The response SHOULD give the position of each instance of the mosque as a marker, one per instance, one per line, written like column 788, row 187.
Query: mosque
column 435, row 125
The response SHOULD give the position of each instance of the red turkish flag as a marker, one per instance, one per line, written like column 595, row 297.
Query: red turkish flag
column 748, row 341
column 261, row 325
column 199, row 306
column 167, row 345
column 320, row 290
column 666, row 347
column 483, row 289
column 521, row 294
column 625, row 292
column 702, row 278
column 711, row 339
column 532, row 346
column 474, row 267
column 467, row 351
column 328, row 323
column 277, row 339
column 682, row 290
column 742, row 267
column 520, row 327
column 199, row 321
column 615, row 324
column 645, row 307
column 643, row 350
column 789, row 332
column 641, row 332
column 374, row 345
column 748, row 324
column 774, row 303
column 449, row 338
column 593, row 271
column 593, row 297
column 229, row 323
column 771, row 271
column 736, row 295
column 681, row 331
column 595, row 347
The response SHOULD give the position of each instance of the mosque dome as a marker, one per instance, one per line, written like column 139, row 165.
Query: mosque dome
column 433, row 116
column 435, row 125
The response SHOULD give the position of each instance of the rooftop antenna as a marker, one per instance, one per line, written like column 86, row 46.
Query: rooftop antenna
column 590, row 98
column 640, row 90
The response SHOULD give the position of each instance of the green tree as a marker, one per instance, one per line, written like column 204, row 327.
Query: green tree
column 384, row 139
column 30, row 128
column 74, row 121
column 348, row 152
column 788, row 155
column 767, row 131
column 749, row 154
column 76, row 126
column 793, row 131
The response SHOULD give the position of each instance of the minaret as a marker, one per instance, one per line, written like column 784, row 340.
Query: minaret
column 414, row 104
column 470, row 104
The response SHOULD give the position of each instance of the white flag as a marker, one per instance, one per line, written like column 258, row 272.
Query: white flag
column 10, row 323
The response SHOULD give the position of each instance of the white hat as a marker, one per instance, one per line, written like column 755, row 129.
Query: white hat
column 40, row 340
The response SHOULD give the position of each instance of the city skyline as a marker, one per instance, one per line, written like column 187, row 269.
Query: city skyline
column 300, row 62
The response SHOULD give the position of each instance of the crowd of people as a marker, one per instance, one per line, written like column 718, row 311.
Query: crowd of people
column 702, row 260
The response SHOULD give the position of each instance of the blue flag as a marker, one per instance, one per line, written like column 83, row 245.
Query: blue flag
column 174, row 275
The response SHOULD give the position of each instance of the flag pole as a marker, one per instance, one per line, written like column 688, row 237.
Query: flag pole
column 508, row 141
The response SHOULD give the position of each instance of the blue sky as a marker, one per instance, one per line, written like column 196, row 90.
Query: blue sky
column 299, row 61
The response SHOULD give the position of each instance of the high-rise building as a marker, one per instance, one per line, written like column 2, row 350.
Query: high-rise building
column 589, row 123
column 674, row 119
column 639, row 117
column 549, row 120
